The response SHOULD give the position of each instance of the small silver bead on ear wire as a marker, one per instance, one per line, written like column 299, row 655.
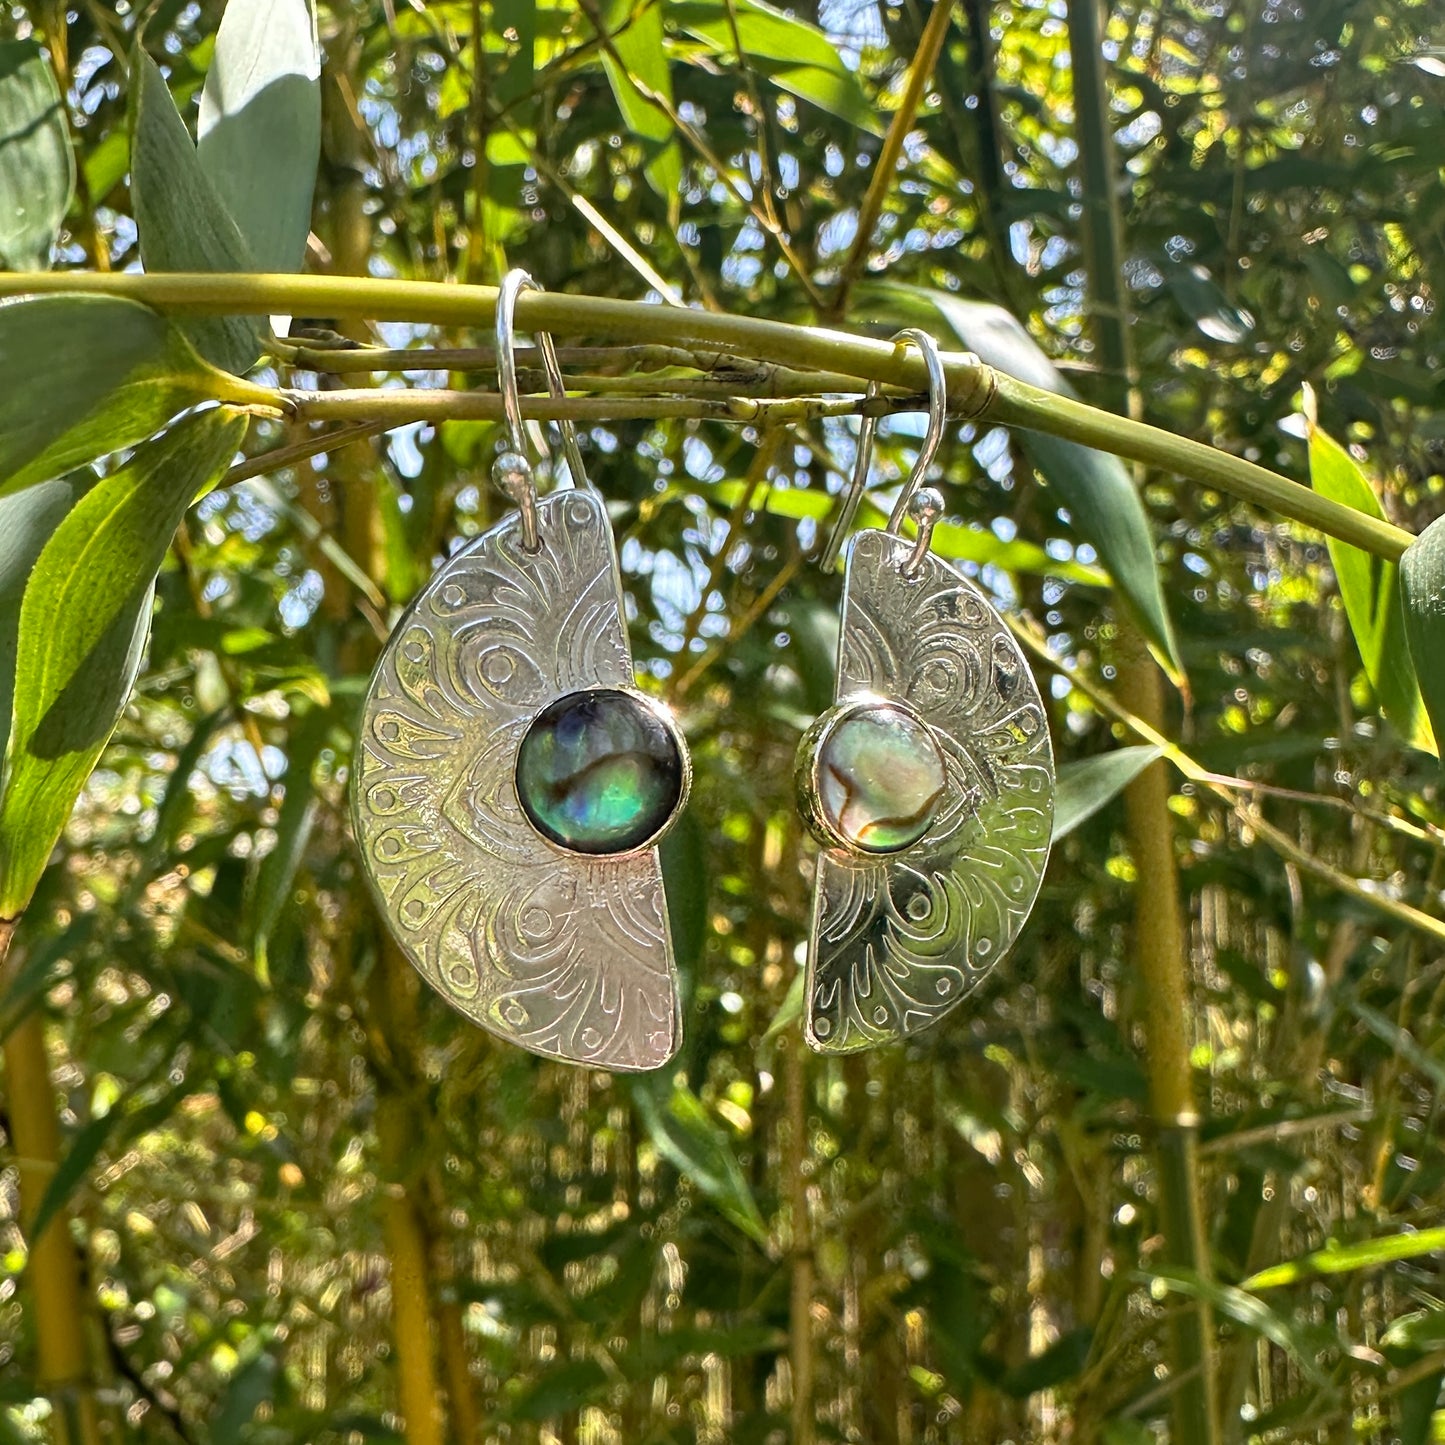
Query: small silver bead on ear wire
column 925, row 506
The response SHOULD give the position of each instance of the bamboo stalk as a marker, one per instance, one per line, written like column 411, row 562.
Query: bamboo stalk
column 63, row 1366
column 800, row 1290
column 975, row 390
column 1161, row 954
column 406, row 1247
column 392, row 998
column 1161, row 961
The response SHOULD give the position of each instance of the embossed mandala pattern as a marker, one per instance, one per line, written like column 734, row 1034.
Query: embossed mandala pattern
column 900, row 940
column 564, row 955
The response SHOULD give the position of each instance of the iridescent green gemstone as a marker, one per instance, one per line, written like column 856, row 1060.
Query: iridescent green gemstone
column 879, row 778
column 599, row 772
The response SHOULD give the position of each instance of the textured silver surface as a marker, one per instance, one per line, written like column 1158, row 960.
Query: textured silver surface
column 565, row 955
column 898, row 941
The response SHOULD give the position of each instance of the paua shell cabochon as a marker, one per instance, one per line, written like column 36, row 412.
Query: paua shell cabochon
column 557, row 951
column 601, row 772
column 900, row 937
column 872, row 778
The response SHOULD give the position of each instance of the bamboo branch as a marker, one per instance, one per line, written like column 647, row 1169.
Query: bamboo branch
column 402, row 406
column 975, row 390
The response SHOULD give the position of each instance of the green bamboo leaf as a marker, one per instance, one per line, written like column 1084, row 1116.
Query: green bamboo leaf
column 1061, row 1361
column 105, row 167
column 1401, row 1041
column 1370, row 590
column 81, row 376
column 25, row 990
column 1422, row 594
column 1087, row 785
column 685, row 877
column 275, row 875
column 1419, row 1331
column 1204, row 301
column 791, row 1008
column 560, row 1389
column 253, row 1383
column 654, row 1353
column 1344, row 1258
column 125, row 1122
column 84, row 619
column 37, row 167
column 1245, row 1309
column 685, row 1135
column 260, row 125
column 182, row 222
column 793, row 55
column 26, row 521
column 959, row 544
column 1098, row 491
column 1420, row 1422
column 516, row 22
column 636, row 64
column 1127, row 1432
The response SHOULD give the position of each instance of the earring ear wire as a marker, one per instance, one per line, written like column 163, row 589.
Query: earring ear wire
column 512, row 470
column 928, row 448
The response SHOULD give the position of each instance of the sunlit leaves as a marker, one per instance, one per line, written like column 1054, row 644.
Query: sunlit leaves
column 183, row 223
column 84, row 619
column 1338, row 1258
column 1369, row 588
column 260, row 125
column 1103, row 503
column 684, row 1134
column 792, row 54
column 81, row 376
column 637, row 69
column 27, row 519
column 37, row 169
column 1422, row 588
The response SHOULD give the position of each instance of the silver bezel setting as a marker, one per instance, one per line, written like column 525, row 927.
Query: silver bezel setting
column 810, row 793
column 665, row 715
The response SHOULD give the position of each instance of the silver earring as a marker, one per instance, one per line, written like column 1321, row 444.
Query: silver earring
column 929, row 783
column 511, row 782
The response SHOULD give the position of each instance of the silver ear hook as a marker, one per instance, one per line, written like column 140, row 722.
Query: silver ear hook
column 867, row 425
column 512, row 471
column 937, row 421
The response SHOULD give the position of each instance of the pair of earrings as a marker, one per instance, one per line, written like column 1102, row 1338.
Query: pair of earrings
column 512, row 783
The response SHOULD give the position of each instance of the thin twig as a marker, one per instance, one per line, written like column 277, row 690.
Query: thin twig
column 1286, row 1128
column 920, row 72
column 1223, row 788
column 755, row 480
column 694, row 138
column 740, row 626
column 589, row 212
column 280, row 458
